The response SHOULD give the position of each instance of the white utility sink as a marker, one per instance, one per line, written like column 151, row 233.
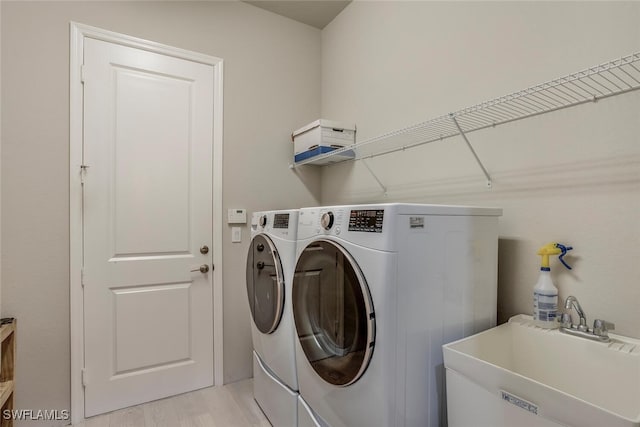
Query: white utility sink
column 520, row 375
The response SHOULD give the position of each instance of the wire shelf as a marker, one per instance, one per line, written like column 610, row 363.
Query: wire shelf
column 602, row 81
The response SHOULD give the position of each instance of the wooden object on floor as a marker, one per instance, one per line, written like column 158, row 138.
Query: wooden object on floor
column 7, row 364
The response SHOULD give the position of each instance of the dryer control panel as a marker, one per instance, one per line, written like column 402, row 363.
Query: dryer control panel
column 283, row 224
column 369, row 221
column 369, row 226
column 281, row 220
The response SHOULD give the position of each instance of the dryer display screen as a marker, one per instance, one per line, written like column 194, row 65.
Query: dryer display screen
column 281, row 221
column 369, row 221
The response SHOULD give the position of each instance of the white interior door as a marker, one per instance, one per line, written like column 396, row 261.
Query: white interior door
column 147, row 212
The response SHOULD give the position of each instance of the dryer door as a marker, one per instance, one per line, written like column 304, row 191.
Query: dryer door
column 265, row 284
column 333, row 313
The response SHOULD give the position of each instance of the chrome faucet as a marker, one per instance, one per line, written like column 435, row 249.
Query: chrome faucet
column 573, row 301
column 600, row 327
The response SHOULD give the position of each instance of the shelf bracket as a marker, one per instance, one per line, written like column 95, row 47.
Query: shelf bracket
column 462, row 134
column 384, row 189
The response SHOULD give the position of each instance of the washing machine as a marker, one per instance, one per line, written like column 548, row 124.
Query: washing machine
column 377, row 290
column 270, row 266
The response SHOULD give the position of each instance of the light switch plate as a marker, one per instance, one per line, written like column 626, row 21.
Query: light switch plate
column 236, row 234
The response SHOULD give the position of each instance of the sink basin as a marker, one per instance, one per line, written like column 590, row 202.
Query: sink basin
column 517, row 374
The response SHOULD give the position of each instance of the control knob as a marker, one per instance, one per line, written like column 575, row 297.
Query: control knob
column 326, row 220
column 262, row 221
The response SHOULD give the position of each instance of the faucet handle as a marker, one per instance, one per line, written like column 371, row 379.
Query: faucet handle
column 565, row 320
column 601, row 327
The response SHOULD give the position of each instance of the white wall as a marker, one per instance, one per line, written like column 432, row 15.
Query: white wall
column 271, row 86
column 0, row 172
column 572, row 176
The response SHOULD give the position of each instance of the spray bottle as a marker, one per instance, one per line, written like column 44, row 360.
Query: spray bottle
column 545, row 294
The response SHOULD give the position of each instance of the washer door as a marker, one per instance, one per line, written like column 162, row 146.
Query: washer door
column 333, row 313
column 265, row 284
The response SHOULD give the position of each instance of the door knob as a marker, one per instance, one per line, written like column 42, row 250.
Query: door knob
column 204, row 250
column 204, row 268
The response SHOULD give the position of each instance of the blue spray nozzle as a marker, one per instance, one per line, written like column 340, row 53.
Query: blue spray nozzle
column 564, row 250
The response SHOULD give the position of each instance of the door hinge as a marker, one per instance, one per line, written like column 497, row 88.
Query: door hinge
column 83, row 171
column 82, row 73
column 82, row 277
column 84, row 377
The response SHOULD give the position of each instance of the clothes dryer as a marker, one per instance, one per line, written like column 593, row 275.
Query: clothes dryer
column 377, row 291
column 270, row 265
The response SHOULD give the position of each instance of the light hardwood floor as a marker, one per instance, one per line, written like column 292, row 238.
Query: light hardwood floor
column 231, row 405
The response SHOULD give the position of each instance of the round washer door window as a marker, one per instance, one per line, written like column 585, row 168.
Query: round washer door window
column 333, row 313
column 265, row 284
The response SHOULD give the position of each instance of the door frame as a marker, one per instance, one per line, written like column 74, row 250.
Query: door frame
column 78, row 32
